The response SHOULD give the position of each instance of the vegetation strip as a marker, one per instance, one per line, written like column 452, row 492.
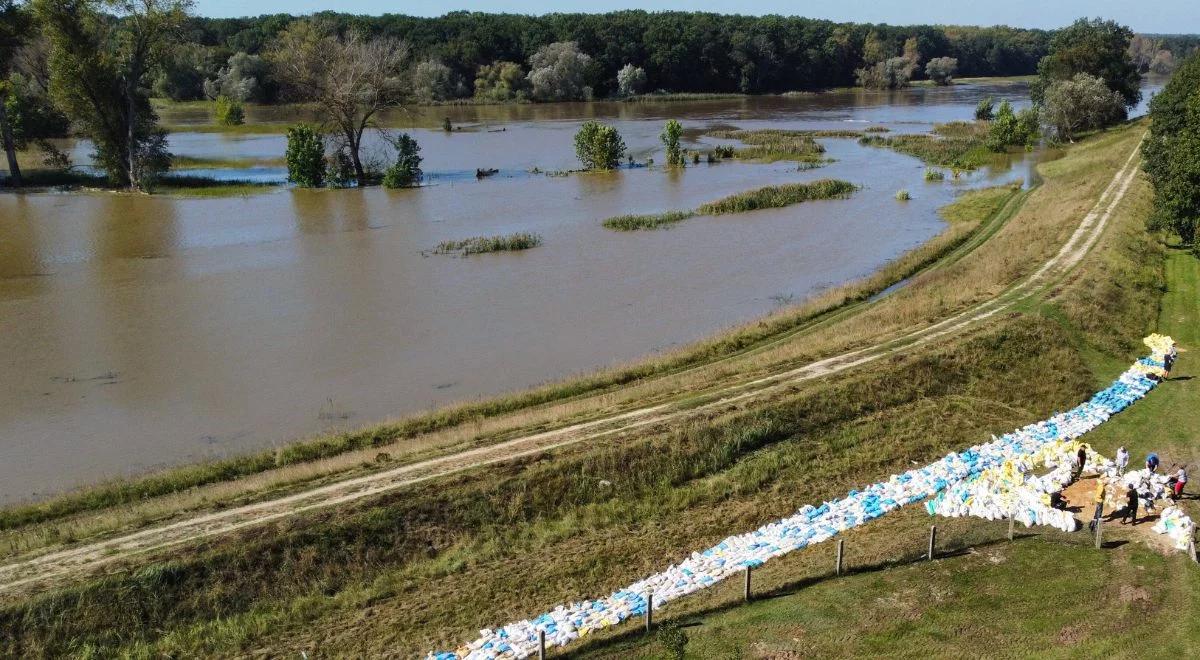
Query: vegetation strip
column 751, row 200
column 483, row 244
column 808, row 526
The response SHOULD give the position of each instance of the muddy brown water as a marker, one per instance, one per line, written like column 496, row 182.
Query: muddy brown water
column 141, row 332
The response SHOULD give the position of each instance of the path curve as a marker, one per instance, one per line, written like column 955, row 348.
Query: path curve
column 28, row 573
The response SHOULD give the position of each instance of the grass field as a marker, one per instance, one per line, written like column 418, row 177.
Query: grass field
column 423, row 568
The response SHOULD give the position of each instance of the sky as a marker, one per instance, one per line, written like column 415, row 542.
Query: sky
column 1154, row 16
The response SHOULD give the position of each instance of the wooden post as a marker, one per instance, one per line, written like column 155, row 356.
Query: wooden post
column 541, row 645
column 747, row 584
column 1099, row 525
column 838, row 569
column 932, row 542
column 649, row 611
column 1192, row 549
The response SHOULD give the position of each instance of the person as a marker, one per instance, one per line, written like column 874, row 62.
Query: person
column 1169, row 358
column 1152, row 462
column 1131, row 506
column 1180, row 481
column 1122, row 459
column 1077, row 464
column 1099, row 500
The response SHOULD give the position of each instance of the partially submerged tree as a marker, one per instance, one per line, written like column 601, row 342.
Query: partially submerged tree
column 558, row 72
column 599, row 146
column 1079, row 104
column 305, row 156
column 406, row 171
column 670, row 139
column 892, row 73
column 941, row 70
column 631, row 80
column 102, row 73
column 349, row 78
column 986, row 109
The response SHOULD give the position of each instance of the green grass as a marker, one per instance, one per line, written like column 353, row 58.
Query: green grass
column 974, row 204
column 484, row 244
column 181, row 162
column 956, row 145
column 770, row 145
column 750, row 200
column 635, row 222
column 1031, row 598
column 778, row 196
column 179, row 186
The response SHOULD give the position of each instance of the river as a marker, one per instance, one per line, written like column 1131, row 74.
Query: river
column 140, row 332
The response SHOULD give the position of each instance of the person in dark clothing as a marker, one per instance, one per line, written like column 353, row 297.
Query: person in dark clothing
column 1077, row 466
column 1131, row 506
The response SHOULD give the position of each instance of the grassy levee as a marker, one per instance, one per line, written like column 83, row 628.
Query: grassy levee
column 423, row 568
column 1049, row 594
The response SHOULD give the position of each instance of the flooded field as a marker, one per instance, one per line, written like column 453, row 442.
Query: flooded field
column 140, row 332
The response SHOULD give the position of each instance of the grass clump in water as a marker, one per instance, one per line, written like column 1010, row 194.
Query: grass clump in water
column 779, row 196
column 934, row 175
column 777, row 144
column 903, row 196
column 957, row 145
column 634, row 222
column 483, row 244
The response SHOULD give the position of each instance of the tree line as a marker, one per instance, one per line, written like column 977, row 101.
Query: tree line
column 94, row 65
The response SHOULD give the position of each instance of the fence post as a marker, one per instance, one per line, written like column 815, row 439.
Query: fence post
column 1099, row 525
column 541, row 645
column 838, row 569
column 747, row 584
column 1192, row 550
column 932, row 542
column 649, row 611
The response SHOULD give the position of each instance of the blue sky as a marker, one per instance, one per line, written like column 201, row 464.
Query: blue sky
column 1170, row 16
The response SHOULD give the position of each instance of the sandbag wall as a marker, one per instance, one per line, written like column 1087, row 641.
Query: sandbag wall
column 814, row 524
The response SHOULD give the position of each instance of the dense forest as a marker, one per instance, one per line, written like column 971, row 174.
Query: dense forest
column 679, row 52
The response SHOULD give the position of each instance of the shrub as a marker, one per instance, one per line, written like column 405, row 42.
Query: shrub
column 305, row 156
column 941, row 70
column 1082, row 103
column 229, row 112
column 599, row 146
column 406, row 171
column 1003, row 130
column 986, row 109
column 934, row 175
column 631, row 80
column 340, row 170
column 670, row 139
column 903, row 196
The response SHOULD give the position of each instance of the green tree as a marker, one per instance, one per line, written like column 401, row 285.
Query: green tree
column 14, row 25
column 599, row 146
column 350, row 79
column 1003, row 130
column 102, row 70
column 986, row 109
column 1172, row 152
column 1080, row 104
column 941, row 70
column 229, row 112
column 631, row 80
column 1098, row 48
column 305, row 156
column 501, row 81
column 406, row 171
column 670, row 139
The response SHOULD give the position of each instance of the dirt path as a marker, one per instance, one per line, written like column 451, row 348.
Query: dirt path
column 1080, row 498
column 28, row 573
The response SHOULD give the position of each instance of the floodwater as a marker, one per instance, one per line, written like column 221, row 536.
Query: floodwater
column 141, row 332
